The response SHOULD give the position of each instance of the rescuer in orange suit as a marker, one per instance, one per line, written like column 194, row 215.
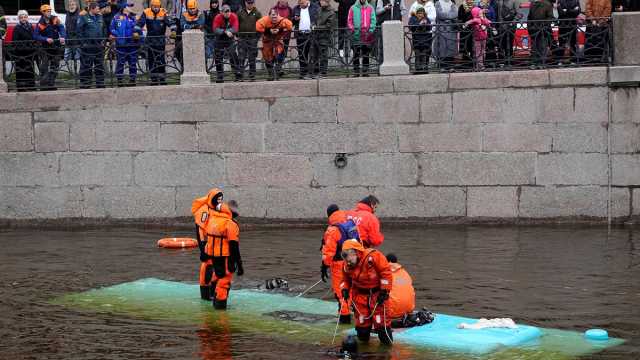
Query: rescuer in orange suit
column 367, row 282
column 368, row 224
column 402, row 298
column 218, row 238
column 339, row 230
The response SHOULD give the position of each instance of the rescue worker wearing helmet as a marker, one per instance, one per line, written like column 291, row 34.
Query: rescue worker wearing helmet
column 51, row 34
column 366, row 220
column 340, row 229
column 192, row 18
column 218, row 238
column 367, row 282
column 156, row 20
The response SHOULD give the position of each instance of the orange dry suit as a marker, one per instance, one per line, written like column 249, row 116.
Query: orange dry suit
column 273, row 44
column 365, row 282
column 368, row 225
column 339, row 230
column 220, row 234
column 402, row 299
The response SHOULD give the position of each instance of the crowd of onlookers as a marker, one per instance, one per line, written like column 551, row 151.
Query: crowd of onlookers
column 236, row 31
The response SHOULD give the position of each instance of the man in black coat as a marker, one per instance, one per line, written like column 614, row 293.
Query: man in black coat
column 539, row 26
column 305, row 17
column 568, row 11
column 24, row 52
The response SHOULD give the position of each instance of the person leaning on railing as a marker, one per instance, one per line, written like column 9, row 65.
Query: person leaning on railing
column 24, row 53
column 248, row 38
column 225, row 27
column 50, row 33
column 274, row 30
column 285, row 11
column 156, row 20
column 597, row 35
column 325, row 27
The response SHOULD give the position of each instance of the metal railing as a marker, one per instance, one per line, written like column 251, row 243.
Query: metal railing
column 319, row 53
column 452, row 47
column 87, row 63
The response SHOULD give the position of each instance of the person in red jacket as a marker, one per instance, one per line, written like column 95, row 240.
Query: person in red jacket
column 225, row 28
column 339, row 230
column 367, row 282
column 368, row 224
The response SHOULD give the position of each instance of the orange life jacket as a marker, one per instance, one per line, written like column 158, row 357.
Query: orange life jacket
column 372, row 272
column 368, row 225
column 402, row 298
column 215, row 225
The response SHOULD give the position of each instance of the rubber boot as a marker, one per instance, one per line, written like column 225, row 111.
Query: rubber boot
column 220, row 304
column 386, row 336
column 363, row 334
column 205, row 293
column 345, row 319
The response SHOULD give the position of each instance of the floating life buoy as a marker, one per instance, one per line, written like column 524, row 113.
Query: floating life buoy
column 177, row 243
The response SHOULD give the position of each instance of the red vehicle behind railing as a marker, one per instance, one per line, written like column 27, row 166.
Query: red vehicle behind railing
column 33, row 8
column 522, row 38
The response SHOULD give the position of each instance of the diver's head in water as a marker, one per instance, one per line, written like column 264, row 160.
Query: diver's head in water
column 276, row 283
column 392, row 258
column 349, row 347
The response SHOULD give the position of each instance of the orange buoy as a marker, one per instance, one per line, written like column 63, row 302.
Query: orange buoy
column 177, row 243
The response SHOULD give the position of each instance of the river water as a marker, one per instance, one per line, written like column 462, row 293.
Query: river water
column 557, row 277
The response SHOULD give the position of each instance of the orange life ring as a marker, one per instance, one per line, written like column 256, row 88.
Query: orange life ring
column 177, row 243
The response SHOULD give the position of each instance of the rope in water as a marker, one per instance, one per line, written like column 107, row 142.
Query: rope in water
column 312, row 286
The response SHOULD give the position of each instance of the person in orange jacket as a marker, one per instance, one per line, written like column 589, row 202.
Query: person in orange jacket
column 402, row 298
column 339, row 230
column 367, row 282
column 218, row 238
column 274, row 29
column 368, row 224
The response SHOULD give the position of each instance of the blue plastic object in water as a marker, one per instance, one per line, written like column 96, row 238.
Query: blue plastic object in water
column 596, row 334
column 252, row 310
column 443, row 333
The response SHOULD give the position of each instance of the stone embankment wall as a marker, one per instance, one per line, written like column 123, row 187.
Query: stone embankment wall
column 511, row 146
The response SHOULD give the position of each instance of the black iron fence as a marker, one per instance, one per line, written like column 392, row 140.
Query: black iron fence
column 444, row 47
column 318, row 53
column 87, row 63
column 455, row 47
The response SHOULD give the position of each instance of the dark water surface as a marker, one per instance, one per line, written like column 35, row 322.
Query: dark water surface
column 567, row 278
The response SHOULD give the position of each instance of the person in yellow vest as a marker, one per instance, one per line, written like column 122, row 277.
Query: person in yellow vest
column 218, row 239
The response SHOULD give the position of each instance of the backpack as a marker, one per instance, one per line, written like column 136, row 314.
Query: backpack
column 348, row 230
